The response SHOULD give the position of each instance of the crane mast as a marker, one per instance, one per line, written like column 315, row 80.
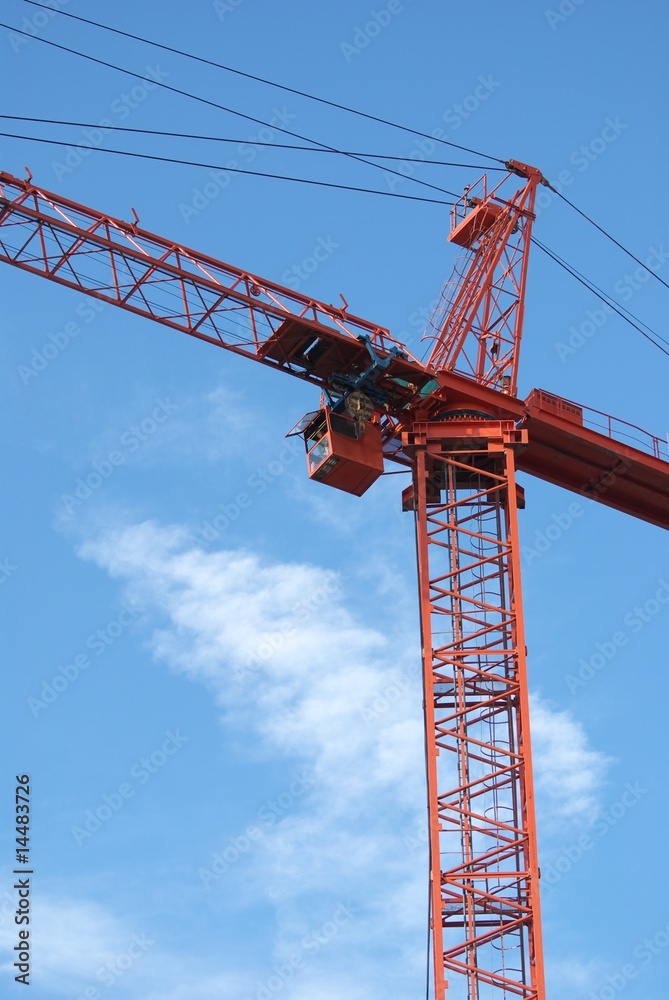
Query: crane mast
column 485, row 910
column 483, row 846
column 457, row 424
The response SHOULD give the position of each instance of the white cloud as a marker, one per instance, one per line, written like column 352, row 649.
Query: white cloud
column 574, row 977
column 294, row 670
column 314, row 669
column 72, row 936
column 80, row 945
column 568, row 773
column 173, row 428
column 83, row 946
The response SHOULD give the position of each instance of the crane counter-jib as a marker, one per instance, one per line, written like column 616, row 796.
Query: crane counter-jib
column 574, row 447
column 632, row 478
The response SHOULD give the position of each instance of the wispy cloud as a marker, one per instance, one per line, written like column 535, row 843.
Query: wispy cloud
column 569, row 773
column 304, row 699
column 82, row 945
column 344, row 842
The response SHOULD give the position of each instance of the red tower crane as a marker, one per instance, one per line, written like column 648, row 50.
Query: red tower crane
column 458, row 425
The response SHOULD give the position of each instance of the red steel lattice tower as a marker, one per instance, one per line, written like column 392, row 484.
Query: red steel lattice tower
column 483, row 847
column 485, row 898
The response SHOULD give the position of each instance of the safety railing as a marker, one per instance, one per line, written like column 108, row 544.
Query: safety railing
column 603, row 423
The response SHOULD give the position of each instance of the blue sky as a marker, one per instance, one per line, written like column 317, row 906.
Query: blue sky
column 240, row 645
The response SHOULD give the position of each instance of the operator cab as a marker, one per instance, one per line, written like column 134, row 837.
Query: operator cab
column 343, row 444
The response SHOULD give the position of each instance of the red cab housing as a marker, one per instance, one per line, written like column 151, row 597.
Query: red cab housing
column 343, row 452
